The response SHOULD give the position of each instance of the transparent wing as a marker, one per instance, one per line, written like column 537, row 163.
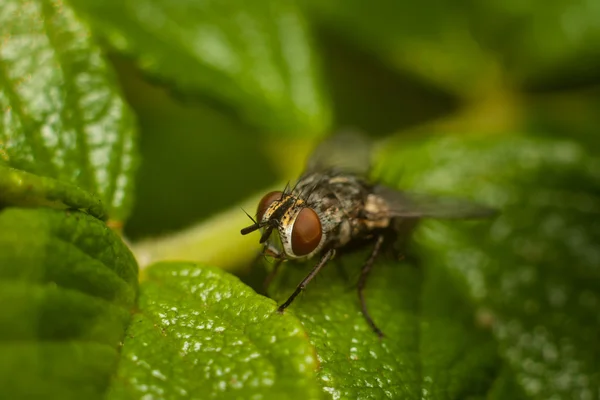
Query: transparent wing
column 414, row 205
column 348, row 151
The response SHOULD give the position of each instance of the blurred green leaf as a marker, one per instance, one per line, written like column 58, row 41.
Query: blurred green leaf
column 535, row 271
column 181, row 143
column 63, row 117
column 567, row 115
column 256, row 57
column 56, row 370
column 26, row 189
column 506, row 387
column 201, row 333
column 429, row 39
column 67, row 283
column 469, row 48
column 432, row 347
column 541, row 43
column 373, row 96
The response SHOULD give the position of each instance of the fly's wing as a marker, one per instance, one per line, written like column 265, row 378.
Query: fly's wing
column 414, row 205
column 346, row 151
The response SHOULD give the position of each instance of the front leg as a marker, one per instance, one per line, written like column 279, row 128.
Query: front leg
column 324, row 259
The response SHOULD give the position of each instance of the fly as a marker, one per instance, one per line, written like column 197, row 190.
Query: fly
column 334, row 205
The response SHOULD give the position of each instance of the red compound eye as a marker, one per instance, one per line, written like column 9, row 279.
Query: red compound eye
column 265, row 202
column 306, row 233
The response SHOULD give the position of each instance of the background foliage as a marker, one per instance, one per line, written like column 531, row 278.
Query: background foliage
column 195, row 108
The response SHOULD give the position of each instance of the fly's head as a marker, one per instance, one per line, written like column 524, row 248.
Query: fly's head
column 290, row 228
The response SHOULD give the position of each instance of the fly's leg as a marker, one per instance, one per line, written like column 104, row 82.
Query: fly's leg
column 324, row 259
column 363, row 280
column 271, row 276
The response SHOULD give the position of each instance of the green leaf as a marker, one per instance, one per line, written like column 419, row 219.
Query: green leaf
column 468, row 48
column 430, row 39
column 55, row 370
column 506, row 387
column 560, row 43
column 201, row 333
column 67, row 283
column 432, row 347
column 535, row 270
column 256, row 57
column 26, row 189
column 63, row 116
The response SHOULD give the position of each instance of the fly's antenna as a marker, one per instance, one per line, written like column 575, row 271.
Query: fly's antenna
column 249, row 229
column 249, row 216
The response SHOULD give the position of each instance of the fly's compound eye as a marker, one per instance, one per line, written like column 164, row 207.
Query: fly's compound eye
column 306, row 233
column 265, row 202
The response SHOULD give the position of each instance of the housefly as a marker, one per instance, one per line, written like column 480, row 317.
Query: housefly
column 333, row 205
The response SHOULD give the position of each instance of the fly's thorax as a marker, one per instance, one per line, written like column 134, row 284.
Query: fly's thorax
column 286, row 212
